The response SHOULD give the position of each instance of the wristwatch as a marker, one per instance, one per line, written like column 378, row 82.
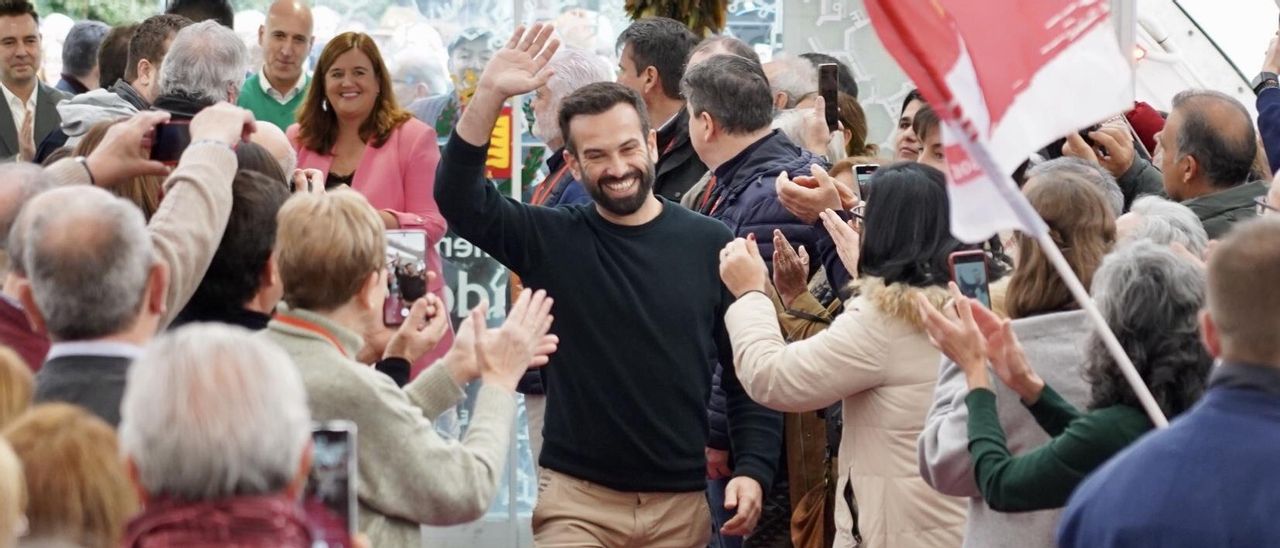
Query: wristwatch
column 1264, row 80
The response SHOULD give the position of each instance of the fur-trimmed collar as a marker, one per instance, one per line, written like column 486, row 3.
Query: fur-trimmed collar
column 898, row 300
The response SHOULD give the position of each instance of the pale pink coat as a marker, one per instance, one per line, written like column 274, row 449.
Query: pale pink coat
column 399, row 178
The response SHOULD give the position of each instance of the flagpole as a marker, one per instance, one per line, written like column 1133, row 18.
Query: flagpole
column 1030, row 218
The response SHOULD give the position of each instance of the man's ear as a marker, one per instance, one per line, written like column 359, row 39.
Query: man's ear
column 1188, row 167
column 653, row 145
column 1209, row 334
column 270, row 275
column 709, row 129
column 28, row 299
column 157, row 288
column 370, row 297
column 144, row 71
column 652, row 80
column 780, row 100
column 262, row 34
column 571, row 160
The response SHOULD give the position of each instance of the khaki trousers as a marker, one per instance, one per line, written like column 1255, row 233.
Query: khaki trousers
column 572, row 513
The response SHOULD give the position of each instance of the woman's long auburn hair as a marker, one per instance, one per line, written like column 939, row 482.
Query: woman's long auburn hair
column 1084, row 227
column 318, row 127
column 145, row 191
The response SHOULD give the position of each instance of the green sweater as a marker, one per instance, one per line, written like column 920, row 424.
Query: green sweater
column 1044, row 477
column 264, row 107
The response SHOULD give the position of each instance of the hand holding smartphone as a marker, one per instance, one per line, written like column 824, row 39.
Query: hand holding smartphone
column 969, row 271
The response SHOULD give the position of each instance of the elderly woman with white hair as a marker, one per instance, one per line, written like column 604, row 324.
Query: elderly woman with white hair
column 216, row 433
column 1164, row 222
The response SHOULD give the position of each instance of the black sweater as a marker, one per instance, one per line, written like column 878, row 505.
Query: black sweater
column 640, row 315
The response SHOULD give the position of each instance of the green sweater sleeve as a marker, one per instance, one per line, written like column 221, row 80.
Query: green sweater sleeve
column 1052, row 412
column 1044, row 477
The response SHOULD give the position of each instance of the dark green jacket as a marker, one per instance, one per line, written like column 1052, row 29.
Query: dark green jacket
column 1222, row 209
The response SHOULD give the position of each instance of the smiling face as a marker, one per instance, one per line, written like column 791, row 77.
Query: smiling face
column 285, row 40
column 351, row 85
column 19, row 50
column 467, row 61
column 613, row 157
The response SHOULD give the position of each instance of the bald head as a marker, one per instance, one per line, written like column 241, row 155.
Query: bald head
column 273, row 139
column 88, row 257
column 286, row 39
column 19, row 183
column 1243, row 303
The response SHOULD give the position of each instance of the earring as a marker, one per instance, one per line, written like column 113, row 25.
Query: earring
column 324, row 105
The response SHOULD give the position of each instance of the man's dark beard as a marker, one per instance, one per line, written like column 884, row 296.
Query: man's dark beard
column 624, row 206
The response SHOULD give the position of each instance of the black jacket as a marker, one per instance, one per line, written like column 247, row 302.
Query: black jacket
column 678, row 165
column 95, row 383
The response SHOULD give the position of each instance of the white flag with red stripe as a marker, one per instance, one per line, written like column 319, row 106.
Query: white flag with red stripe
column 1006, row 77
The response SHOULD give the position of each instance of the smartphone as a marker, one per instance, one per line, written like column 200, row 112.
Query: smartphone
column 828, row 87
column 330, row 496
column 862, row 173
column 406, row 274
column 969, row 271
column 170, row 140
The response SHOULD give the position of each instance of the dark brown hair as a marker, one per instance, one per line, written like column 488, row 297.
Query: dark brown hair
column 18, row 8
column 113, row 55
column 1083, row 226
column 598, row 98
column 855, row 122
column 318, row 127
column 148, row 42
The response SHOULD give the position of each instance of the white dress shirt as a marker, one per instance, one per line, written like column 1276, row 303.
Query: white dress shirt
column 281, row 98
column 18, row 109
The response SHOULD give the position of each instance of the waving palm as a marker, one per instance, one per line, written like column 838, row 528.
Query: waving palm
column 519, row 66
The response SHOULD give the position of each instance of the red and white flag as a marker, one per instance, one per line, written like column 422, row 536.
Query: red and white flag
column 1006, row 77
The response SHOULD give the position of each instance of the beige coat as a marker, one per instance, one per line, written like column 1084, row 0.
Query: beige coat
column 875, row 357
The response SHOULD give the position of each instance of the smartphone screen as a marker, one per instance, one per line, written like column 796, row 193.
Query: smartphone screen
column 828, row 86
column 863, row 173
column 969, row 271
column 170, row 140
column 330, row 497
column 406, row 273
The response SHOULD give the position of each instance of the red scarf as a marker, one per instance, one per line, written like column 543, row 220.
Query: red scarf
column 242, row 522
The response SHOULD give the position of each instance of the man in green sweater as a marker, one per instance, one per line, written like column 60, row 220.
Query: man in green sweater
column 640, row 315
column 274, row 93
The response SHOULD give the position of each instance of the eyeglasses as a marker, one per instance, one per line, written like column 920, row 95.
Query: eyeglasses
column 1262, row 207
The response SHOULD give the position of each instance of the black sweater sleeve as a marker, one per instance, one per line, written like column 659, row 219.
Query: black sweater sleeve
column 475, row 210
column 754, row 430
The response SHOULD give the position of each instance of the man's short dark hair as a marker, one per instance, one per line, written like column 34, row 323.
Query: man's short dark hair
column 149, row 39
column 663, row 44
column 598, row 98
column 733, row 90
column 729, row 44
column 235, row 273
column 1218, row 131
column 204, row 10
column 18, row 8
column 846, row 83
column 113, row 56
column 80, row 49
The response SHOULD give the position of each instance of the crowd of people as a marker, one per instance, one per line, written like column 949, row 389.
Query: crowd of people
column 708, row 281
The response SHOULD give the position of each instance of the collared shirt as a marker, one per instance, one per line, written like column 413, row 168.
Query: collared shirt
column 281, row 98
column 17, row 108
column 1246, row 375
column 94, row 348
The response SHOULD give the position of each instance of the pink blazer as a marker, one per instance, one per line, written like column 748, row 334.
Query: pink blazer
column 398, row 178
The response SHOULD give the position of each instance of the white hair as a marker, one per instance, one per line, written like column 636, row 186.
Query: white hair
column 791, row 122
column 795, row 76
column 1091, row 172
column 574, row 68
column 211, row 412
column 88, row 256
column 23, row 182
column 205, row 61
column 1165, row 222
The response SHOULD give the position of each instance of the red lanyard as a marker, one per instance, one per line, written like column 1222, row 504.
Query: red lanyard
column 541, row 195
column 706, row 195
column 308, row 326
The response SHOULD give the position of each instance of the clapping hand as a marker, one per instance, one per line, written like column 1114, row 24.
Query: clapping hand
column 807, row 196
column 741, row 267
column 421, row 331
column 506, row 352
column 956, row 334
column 790, row 269
column 846, row 238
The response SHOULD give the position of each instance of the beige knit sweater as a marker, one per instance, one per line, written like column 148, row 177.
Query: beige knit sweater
column 409, row 475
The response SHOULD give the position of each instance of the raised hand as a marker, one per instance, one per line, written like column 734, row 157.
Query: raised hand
column 504, row 353
column 790, row 269
column 519, row 66
column 848, row 241
column 807, row 196
column 958, row 336
column 125, row 151
column 421, row 331
column 741, row 267
column 1114, row 148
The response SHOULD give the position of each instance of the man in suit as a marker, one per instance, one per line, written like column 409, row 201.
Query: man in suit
column 29, row 110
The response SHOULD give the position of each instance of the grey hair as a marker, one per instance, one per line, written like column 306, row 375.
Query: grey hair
column 210, row 411
column 1089, row 171
column 25, row 181
column 1223, row 143
column 1151, row 300
column 88, row 256
column 205, row 61
column 574, row 68
column 1165, row 222
column 791, row 122
column 795, row 76
column 80, row 49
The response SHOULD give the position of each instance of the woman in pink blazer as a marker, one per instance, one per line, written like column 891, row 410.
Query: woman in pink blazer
column 350, row 128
